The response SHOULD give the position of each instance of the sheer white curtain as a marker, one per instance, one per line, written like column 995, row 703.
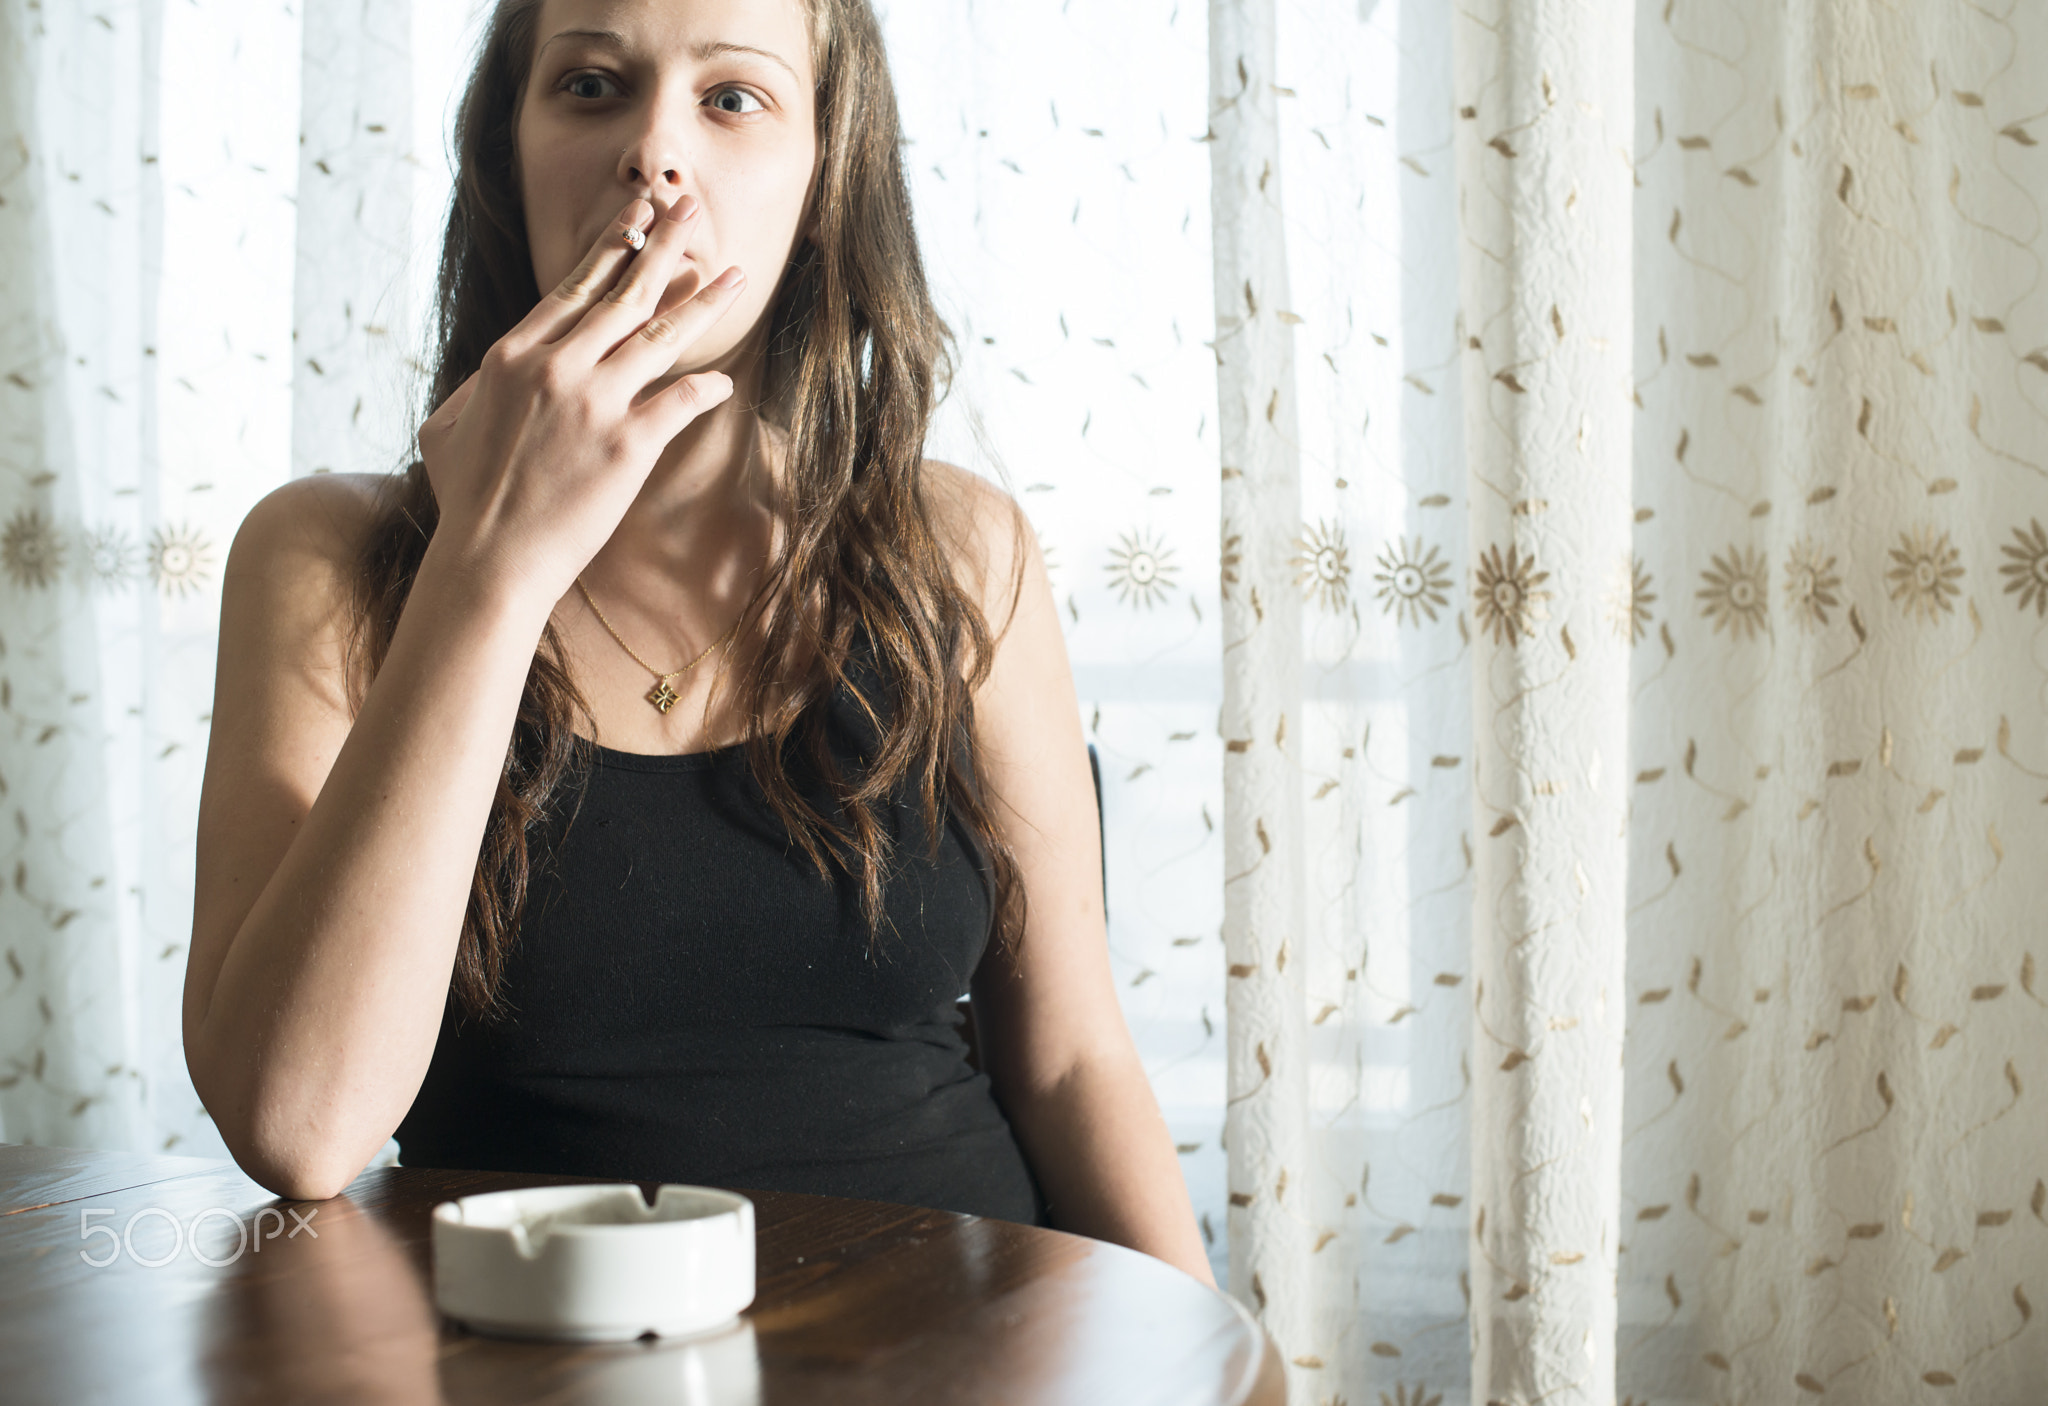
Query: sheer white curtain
column 1832, row 1178
column 145, row 251
column 1710, row 627
column 216, row 231
column 1529, row 485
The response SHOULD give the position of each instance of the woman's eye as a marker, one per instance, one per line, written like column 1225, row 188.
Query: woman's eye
column 723, row 93
column 575, row 80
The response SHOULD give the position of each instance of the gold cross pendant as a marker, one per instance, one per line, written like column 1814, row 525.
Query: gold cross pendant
column 662, row 696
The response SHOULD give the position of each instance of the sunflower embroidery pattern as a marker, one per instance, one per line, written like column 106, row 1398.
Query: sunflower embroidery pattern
column 1737, row 593
column 1810, row 584
column 178, row 559
column 1419, row 1396
column 1628, row 600
column 111, row 559
column 1924, row 574
column 1413, row 582
column 1233, row 558
column 1142, row 570
column 1508, row 597
column 30, row 550
column 1322, row 565
column 2028, row 567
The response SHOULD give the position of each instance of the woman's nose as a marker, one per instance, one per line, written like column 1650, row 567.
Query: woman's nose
column 652, row 168
column 657, row 172
column 652, row 162
column 656, row 158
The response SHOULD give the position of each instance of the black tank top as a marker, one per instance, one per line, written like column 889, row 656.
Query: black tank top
column 692, row 1002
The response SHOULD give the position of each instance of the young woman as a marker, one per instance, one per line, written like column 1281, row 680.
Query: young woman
column 631, row 786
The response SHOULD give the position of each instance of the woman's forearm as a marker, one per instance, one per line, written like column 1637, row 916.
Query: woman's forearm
column 322, row 1017
column 1106, row 1163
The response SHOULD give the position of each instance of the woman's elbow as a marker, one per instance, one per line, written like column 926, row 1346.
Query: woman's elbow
column 280, row 1154
column 295, row 1173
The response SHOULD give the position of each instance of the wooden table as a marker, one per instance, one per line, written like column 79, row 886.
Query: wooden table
column 856, row 1302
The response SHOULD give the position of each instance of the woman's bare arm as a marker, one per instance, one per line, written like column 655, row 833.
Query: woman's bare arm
column 336, row 857
column 1051, row 1030
column 335, row 860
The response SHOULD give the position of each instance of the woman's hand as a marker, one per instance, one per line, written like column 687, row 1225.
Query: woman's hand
column 536, row 457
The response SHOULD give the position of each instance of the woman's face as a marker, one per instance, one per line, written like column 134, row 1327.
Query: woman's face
column 708, row 98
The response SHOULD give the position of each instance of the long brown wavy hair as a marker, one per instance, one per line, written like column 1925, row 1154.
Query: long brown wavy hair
column 856, row 360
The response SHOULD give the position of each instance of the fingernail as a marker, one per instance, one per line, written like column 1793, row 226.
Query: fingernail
column 683, row 209
column 635, row 213
column 731, row 278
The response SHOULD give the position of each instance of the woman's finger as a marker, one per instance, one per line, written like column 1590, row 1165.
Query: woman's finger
column 558, row 312
column 653, row 348
column 614, row 314
column 670, row 405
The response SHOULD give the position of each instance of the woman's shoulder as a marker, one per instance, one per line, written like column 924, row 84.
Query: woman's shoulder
column 320, row 518
column 957, row 491
column 289, row 586
column 987, row 539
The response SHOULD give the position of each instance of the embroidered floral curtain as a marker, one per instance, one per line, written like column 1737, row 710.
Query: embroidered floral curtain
column 1547, row 503
column 215, row 225
column 1832, row 1175
column 145, row 249
column 1634, row 679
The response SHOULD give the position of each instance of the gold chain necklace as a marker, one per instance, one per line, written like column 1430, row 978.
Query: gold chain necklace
column 661, row 695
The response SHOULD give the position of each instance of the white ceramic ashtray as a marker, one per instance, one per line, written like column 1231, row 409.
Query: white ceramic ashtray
column 594, row 1263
